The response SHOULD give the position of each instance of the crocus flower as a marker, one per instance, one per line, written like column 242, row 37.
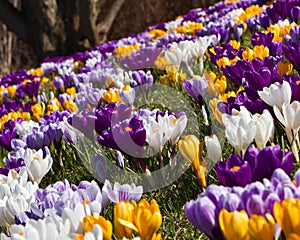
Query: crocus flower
column 196, row 88
column 95, row 234
column 124, row 211
column 290, row 118
column 141, row 78
column 89, row 222
column 240, row 129
column 276, row 94
column 191, row 149
column 265, row 128
column 234, row 172
column 292, row 54
column 285, row 212
column 147, row 218
column 203, row 214
column 25, row 127
column 213, row 148
column 261, row 227
column 37, row 163
column 123, row 192
column 49, row 228
column 234, row 224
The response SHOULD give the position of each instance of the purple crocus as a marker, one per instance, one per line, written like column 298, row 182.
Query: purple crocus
column 60, row 195
column 255, row 198
column 39, row 138
column 234, row 172
column 196, row 88
column 110, row 114
column 264, row 162
column 8, row 133
column 142, row 59
column 84, row 122
column 292, row 53
column 129, row 137
column 203, row 215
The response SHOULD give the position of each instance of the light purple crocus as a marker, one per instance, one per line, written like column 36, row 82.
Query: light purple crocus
column 124, row 192
column 196, row 88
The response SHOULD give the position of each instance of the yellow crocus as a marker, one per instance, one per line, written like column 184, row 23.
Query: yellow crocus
column 223, row 62
column 279, row 32
column 287, row 215
column 36, row 72
column 181, row 29
column 227, row 95
column 191, row 149
column 216, row 85
column 147, row 218
column 126, row 88
column 54, row 105
column 156, row 236
column 192, row 27
column 70, row 105
column 248, row 54
column 248, row 13
column 38, row 110
column 112, row 96
column 71, row 91
column 11, row 91
column 260, row 52
column 25, row 116
column 123, row 211
column 78, row 64
column 79, row 236
column 293, row 237
column 234, row 225
column 88, row 223
column 221, row 84
column 162, row 62
column 126, row 50
column 174, row 74
column 261, row 227
column 284, row 68
column 213, row 104
column 157, row 34
column 235, row 44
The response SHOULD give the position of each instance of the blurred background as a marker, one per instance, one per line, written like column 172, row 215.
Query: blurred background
column 31, row 30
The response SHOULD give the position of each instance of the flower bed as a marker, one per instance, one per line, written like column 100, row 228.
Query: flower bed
column 215, row 91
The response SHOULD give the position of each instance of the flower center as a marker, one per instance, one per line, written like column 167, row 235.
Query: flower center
column 235, row 168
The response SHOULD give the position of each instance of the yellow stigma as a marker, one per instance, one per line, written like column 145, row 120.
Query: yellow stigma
column 85, row 201
column 235, row 168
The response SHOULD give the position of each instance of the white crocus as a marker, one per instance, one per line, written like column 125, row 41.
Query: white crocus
column 76, row 216
column 96, row 234
column 265, row 128
column 276, row 94
column 13, row 177
column 213, row 147
column 36, row 164
column 49, row 228
column 172, row 25
column 157, row 132
column 177, row 125
column 240, row 129
column 289, row 116
column 10, row 206
column 25, row 127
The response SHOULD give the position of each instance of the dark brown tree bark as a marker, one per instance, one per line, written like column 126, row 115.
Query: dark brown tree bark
column 62, row 27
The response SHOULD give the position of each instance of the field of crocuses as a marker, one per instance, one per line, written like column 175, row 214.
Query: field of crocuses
column 187, row 130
